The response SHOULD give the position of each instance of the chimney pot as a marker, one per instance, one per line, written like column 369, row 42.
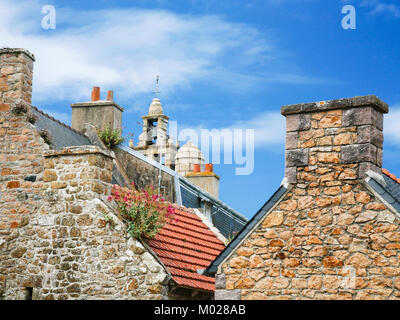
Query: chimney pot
column 96, row 94
column 196, row 168
column 208, row 167
column 110, row 95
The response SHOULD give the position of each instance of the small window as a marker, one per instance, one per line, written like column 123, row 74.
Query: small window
column 28, row 293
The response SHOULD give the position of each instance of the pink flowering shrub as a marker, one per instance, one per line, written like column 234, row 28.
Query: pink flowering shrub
column 144, row 211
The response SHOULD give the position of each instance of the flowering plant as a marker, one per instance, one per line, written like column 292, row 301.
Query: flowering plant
column 144, row 211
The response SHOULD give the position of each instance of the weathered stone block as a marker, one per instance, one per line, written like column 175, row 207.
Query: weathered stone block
column 364, row 167
column 331, row 121
column 298, row 122
column 296, row 158
column 359, row 153
column 227, row 294
column 291, row 174
column 363, row 116
column 49, row 175
column 220, row 281
column 370, row 134
column 292, row 140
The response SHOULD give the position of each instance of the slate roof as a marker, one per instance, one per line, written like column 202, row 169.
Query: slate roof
column 185, row 246
column 393, row 184
column 390, row 190
column 61, row 135
column 212, row 269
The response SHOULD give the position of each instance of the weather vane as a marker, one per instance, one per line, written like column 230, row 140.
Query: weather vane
column 157, row 88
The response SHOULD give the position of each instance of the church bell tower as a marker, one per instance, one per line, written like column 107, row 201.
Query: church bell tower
column 154, row 141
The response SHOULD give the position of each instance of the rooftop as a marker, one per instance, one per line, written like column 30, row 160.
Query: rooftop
column 186, row 245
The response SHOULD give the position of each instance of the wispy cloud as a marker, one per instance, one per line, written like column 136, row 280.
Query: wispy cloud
column 269, row 131
column 391, row 125
column 124, row 50
column 379, row 7
column 269, row 128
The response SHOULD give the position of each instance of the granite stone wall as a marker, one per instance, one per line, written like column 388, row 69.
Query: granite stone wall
column 74, row 247
column 329, row 237
column 59, row 239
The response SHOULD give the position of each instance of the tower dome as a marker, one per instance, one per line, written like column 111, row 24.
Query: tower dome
column 187, row 157
column 155, row 107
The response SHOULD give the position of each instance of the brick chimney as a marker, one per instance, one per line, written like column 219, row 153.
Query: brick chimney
column 16, row 67
column 98, row 113
column 333, row 140
column 206, row 180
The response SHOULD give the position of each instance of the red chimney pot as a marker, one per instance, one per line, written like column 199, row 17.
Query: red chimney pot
column 196, row 168
column 96, row 94
column 208, row 167
column 110, row 95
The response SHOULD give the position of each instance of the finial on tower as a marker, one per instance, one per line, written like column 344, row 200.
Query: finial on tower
column 157, row 88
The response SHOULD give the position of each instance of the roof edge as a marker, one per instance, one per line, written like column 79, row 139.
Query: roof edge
column 58, row 121
column 382, row 194
column 346, row 103
column 17, row 50
column 99, row 103
column 249, row 227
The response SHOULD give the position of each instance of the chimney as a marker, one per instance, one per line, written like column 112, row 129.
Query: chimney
column 207, row 180
column 333, row 141
column 99, row 113
column 16, row 67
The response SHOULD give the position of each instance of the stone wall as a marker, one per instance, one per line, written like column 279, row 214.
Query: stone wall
column 329, row 237
column 77, row 248
column 144, row 174
column 21, row 160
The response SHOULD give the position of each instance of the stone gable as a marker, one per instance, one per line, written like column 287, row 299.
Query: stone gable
column 330, row 236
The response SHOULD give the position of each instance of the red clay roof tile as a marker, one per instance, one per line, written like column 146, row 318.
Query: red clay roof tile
column 391, row 175
column 186, row 245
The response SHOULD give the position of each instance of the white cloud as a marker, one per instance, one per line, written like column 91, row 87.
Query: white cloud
column 377, row 7
column 392, row 125
column 124, row 50
column 269, row 131
column 269, row 128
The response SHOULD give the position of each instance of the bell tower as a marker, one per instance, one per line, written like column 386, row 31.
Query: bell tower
column 154, row 141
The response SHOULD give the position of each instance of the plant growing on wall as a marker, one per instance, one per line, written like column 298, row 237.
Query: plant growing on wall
column 45, row 134
column 20, row 109
column 144, row 211
column 32, row 118
column 230, row 237
column 111, row 137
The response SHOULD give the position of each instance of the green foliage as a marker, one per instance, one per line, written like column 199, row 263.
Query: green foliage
column 45, row 134
column 144, row 211
column 32, row 118
column 20, row 109
column 109, row 220
column 230, row 238
column 111, row 137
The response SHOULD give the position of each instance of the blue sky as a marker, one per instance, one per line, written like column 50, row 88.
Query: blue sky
column 222, row 64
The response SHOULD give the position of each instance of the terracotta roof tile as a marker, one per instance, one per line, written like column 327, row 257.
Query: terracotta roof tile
column 186, row 245
column 392, row 176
